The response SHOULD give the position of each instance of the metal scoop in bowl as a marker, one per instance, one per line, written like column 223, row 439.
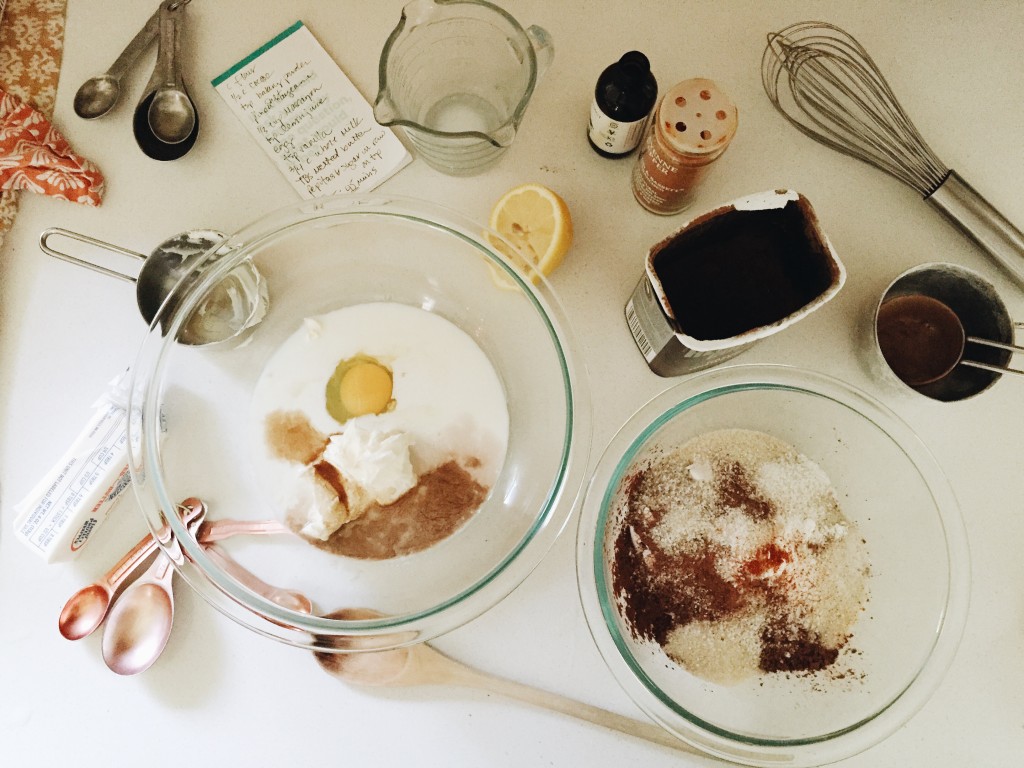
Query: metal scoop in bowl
column 234, row 305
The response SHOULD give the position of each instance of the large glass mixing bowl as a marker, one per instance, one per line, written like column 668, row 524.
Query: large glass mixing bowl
column 887, row 484
column 192, row 430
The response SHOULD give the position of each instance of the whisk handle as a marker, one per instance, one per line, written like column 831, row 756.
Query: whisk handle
column 961, row 204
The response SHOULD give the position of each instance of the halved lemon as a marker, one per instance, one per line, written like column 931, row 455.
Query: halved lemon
column 536, row 221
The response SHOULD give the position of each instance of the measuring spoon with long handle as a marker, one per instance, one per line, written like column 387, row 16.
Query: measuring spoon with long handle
column 171, row 113
column 85, row 611
column 98, row 95
column 87, row 608
column 286, row 598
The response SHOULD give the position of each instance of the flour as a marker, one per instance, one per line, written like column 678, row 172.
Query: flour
column 734, row 555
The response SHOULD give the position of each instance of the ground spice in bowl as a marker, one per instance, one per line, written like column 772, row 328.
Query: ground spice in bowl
column 441, row 502
column 443, row 499
column 733, row 555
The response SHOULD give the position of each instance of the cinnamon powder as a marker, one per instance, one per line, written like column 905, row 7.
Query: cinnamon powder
column 438, row 505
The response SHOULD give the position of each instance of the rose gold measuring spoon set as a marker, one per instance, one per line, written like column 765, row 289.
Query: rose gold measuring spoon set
column 138, row 624
column 138, row 620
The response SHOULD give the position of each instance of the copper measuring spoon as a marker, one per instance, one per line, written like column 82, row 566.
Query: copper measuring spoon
column 286, row 598
column 85, row 610
column 140, row 621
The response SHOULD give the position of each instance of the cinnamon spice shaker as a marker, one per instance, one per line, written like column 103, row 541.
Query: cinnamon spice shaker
column 692, row 127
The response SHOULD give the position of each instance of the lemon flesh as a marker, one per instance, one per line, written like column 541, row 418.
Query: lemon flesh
column 537, row 224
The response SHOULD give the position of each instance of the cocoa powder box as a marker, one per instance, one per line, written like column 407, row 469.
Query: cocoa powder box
column 730, row 277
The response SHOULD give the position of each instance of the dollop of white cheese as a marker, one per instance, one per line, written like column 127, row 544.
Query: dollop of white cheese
column 376, row 461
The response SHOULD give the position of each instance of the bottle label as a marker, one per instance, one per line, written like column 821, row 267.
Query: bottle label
column 616, row 137
column 664, row 182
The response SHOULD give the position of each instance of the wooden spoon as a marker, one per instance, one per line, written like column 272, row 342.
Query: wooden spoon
column 422, row 664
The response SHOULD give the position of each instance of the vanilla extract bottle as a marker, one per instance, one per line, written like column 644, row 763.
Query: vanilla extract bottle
column 623, row 100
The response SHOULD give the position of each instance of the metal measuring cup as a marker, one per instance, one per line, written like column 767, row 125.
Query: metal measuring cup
column 983, row 318
column 232, row 306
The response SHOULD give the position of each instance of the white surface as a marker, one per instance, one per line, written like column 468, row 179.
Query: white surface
column 223, row 695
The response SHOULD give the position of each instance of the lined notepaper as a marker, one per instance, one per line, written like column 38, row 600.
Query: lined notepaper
column 309, row 118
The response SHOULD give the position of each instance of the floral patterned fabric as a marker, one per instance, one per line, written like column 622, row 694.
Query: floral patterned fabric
column 34, row 156
column 31, row 45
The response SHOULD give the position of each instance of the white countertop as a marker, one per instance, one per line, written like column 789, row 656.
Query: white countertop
column 221, row 694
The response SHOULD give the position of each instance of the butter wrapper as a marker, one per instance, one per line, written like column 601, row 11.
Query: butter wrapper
column 60, row 515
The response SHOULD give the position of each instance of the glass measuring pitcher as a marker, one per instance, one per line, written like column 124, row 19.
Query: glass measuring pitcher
column 457, row 75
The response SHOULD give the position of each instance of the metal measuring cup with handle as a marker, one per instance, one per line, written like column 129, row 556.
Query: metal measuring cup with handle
column 231, row 307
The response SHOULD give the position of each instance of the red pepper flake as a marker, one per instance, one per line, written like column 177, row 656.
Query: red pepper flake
column 766, row 561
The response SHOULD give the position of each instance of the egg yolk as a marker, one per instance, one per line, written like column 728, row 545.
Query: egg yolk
column 359, row 386
column 365, row 388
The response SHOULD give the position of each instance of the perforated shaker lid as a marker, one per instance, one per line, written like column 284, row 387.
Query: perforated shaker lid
column 697, row 118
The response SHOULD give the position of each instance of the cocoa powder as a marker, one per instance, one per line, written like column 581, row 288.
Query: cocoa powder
column 663, row 590
column 787, row 647
column 736, row 490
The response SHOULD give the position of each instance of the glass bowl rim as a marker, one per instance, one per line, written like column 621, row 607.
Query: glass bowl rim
column 261, row 615
column 601, row 614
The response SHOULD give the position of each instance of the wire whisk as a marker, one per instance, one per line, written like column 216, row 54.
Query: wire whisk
column 827, row 85
column 824, row 82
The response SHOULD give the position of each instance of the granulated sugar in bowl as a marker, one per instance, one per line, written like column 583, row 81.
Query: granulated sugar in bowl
column 750, row 544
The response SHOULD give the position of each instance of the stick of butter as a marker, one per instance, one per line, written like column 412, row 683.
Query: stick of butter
column 59, row 516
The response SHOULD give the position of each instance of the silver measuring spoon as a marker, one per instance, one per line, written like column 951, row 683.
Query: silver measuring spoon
column 171, row 113
column 179, row 114
column 98, row 95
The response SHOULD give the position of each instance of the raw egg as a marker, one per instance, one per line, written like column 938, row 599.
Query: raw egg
column 392, row 368
column 360, row 385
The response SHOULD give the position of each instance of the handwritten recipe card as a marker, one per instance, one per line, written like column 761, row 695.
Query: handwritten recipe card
column 309, row 117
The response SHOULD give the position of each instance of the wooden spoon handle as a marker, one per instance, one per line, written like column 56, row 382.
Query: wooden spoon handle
column 572, row 707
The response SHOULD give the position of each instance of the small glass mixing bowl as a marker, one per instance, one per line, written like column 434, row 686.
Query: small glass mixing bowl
column 191, row 431
column 887, row 484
